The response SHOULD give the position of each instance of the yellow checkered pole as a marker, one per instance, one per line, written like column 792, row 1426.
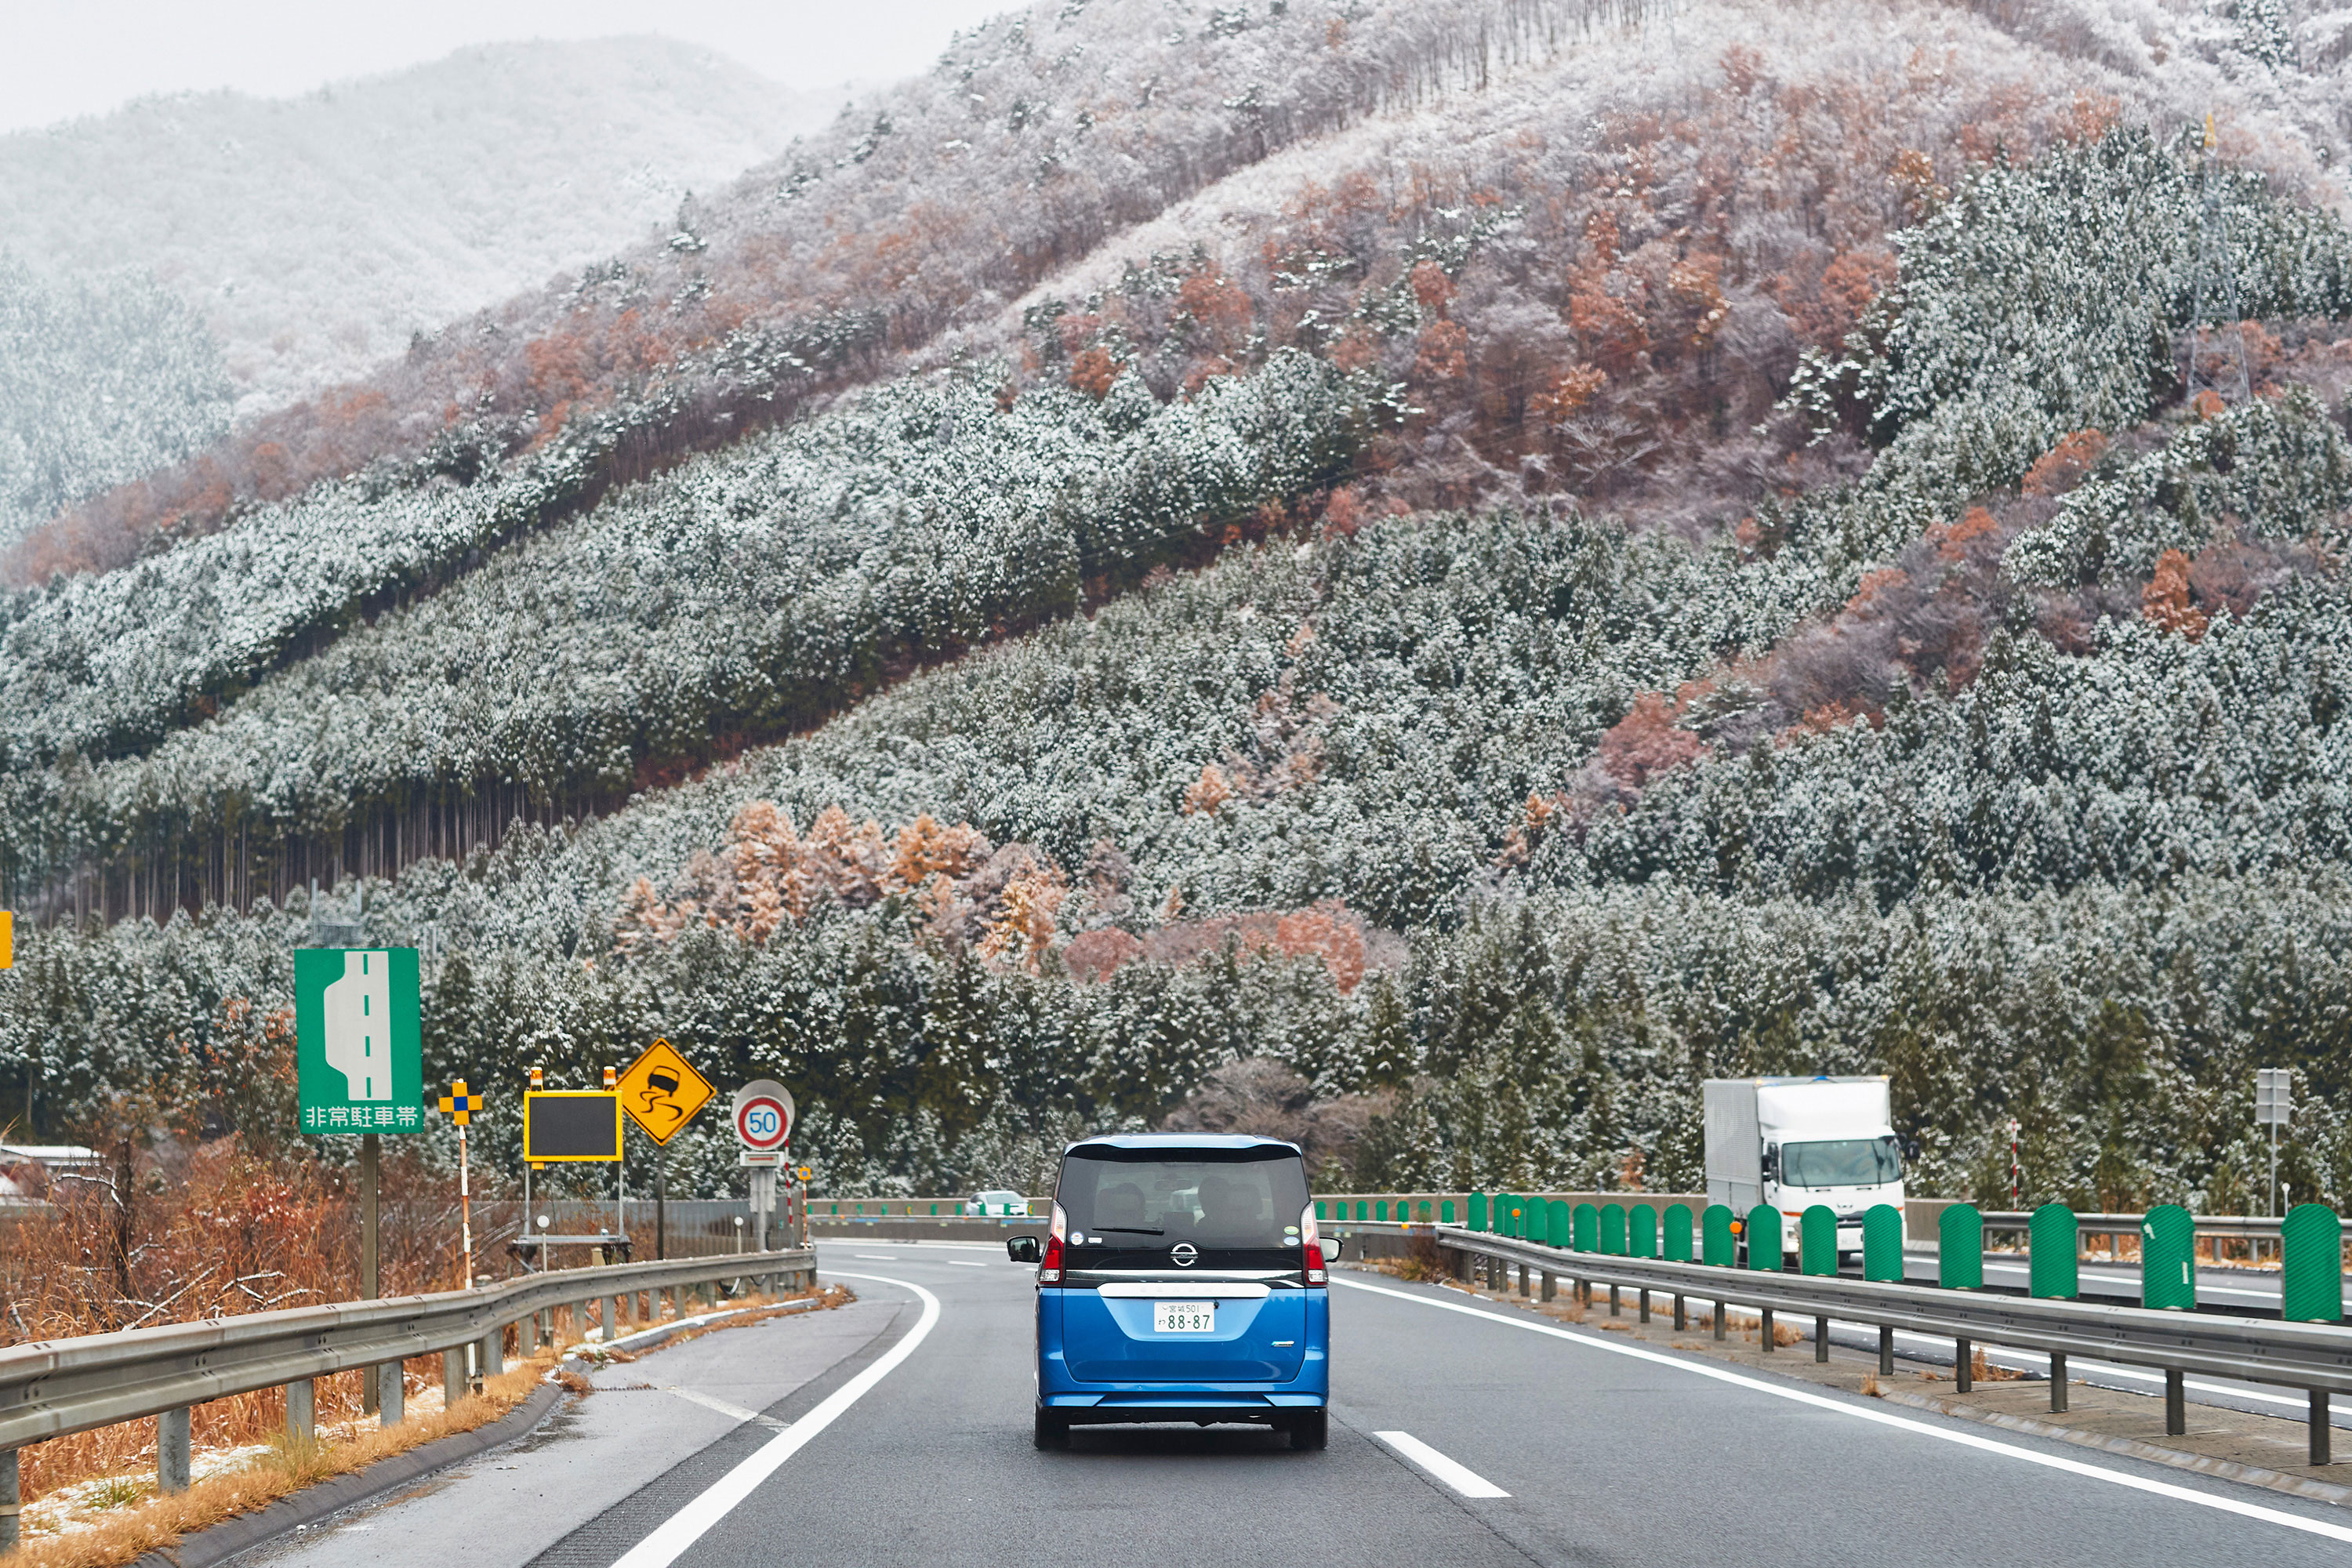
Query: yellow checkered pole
column 458, row 1106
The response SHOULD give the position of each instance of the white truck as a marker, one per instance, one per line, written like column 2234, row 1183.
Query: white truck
column 1793, row 1142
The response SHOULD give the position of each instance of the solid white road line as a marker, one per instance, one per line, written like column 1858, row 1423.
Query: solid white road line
column 1458, row 1476
column 685, row 1526
column 963, row 1263
column 1882, row 1418
column 877, row 1257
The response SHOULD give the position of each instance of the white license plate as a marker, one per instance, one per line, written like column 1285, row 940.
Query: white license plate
column 1183, row 1317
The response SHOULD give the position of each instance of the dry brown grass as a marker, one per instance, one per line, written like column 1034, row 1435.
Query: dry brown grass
column 289, row 1467
column 204, row 1231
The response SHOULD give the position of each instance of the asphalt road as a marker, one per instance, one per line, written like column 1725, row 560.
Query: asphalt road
column 896, row 1431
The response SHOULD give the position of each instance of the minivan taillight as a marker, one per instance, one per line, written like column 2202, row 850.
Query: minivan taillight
column 1049, row 1267
column 1311, row 1242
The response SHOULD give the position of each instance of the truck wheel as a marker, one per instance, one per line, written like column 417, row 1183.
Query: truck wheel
column 1053, row 1432
column 1311, row 1429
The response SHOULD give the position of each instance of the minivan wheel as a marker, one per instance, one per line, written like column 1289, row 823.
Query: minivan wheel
column 1311, row 1429
column 1053, row 1432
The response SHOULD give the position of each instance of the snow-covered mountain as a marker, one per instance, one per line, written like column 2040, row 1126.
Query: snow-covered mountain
column 316, row 234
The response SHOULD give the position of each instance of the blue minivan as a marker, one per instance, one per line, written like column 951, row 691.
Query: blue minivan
column 1182, row 1280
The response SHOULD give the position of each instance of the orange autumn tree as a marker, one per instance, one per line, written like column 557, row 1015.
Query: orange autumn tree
column 2165, row 602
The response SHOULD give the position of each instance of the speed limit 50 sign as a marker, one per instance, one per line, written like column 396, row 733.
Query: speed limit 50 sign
column 764, row 1116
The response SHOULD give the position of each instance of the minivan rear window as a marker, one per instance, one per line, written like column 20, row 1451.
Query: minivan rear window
column 1155, row 1197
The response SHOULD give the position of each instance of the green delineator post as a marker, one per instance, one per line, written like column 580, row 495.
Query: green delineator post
column 2054, row 1242
column 1445, row 1211
column 1959, row 1249
column 1817, row 1241
column 1717, row 1247
column 2312, row 1239
column 1882, row 1244
column 1477, row 1217
column 1559, row 1223
column 1678, row 1233
column 1612, row 1230
column 1539, row 1220
column 1763, row 1233
column 1642, row 1231
column 2167, row 1259
column 1585, row 1226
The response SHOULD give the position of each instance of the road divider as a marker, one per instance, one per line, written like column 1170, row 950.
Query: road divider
column 2312, row 1351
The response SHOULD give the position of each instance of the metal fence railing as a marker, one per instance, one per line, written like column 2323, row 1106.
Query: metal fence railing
column 1454, row 1208
column 53, row 1388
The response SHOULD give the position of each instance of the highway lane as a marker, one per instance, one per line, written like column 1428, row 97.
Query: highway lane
column 1608, row 1452
column 2231, row 1289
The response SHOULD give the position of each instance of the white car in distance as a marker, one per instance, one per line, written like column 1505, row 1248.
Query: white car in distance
column 996, row 1203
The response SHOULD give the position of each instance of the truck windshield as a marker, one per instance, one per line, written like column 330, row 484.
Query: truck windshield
column 1841, row 1163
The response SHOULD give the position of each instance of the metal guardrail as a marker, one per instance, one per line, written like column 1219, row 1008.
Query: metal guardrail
column 2235, row 1227
column 825, row 1210
column 2316, row 1357
column 50, row 1388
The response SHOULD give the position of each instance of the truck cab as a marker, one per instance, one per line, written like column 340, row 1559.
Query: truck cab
column 1794, row 1142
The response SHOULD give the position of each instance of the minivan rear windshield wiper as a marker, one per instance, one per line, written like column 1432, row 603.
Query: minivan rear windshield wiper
column 1132, row 1229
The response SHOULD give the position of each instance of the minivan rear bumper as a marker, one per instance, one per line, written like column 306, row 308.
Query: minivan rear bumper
column 1094, row 1401
column 1100, row 1410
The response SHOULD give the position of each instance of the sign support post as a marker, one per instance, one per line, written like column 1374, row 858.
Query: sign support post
column 465, row 1211
column 661, row 1092
column 370, row 1145
column 359, row 1060
column 763, row 1126
column 2274, row 1104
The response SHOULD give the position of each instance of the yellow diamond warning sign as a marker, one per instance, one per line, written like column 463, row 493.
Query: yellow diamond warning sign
column 661, row 1092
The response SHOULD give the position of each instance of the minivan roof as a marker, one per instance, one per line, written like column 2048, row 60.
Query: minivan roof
column 1182, row 1140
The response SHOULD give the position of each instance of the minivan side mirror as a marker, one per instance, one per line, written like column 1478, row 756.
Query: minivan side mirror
column 1023, row 1248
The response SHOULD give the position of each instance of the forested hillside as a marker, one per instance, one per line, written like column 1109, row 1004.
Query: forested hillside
column 102, row 379
column 314, row 235
column 1490, row 555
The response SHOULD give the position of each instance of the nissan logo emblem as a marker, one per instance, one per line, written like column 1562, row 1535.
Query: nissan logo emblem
column 1183, row 1252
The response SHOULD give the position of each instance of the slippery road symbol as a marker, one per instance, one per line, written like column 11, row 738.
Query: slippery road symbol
column 661, row 1092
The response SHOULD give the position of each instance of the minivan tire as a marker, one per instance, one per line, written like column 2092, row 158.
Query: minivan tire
column 1311, row 1429
column 1053, row 1432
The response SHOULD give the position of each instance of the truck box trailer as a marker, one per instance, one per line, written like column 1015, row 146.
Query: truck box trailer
column 1793, row 1142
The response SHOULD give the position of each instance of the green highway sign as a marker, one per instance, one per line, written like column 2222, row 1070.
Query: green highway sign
column 359, row 1042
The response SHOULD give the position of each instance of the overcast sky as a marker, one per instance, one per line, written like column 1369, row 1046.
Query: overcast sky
column 67, row 57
